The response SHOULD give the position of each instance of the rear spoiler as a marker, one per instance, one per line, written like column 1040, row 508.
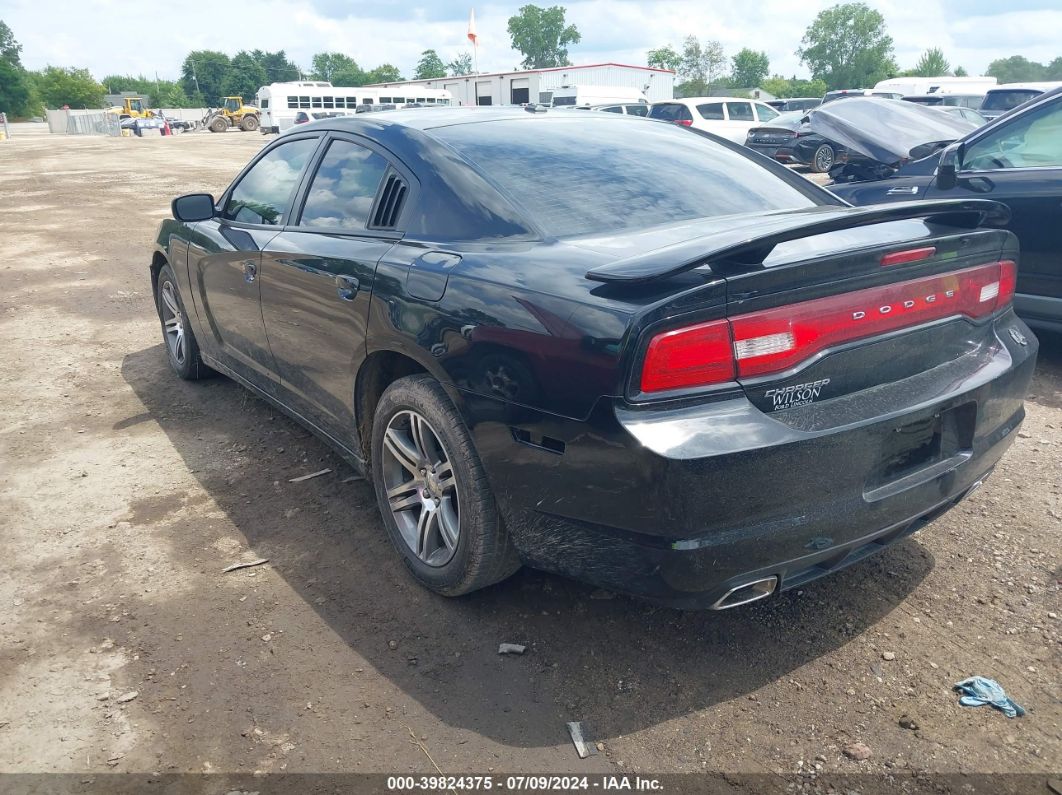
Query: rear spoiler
column 746, row 247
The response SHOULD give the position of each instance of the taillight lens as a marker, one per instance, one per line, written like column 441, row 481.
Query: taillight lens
column 773, row 340
column 691, row 356
column 684, row 122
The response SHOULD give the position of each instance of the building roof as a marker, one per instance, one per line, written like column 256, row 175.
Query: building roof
column 529, row 72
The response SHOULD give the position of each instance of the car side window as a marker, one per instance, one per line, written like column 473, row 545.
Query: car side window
column 264, row 193
column 665, row 112
column 766, row 112
column 1033, row 140
column 613, row 109
column 637, row 110
column 344, row 187
column 712, row 111
column 740, row 111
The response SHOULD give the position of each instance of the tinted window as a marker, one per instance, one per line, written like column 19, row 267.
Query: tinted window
column 1034, row 140
column 740, row 111
column 264, row 193
column 666, row 112
column 592, row 174
column 1007, row 99
column 766, row 112
column 613, row 109
column 344, row 187
column 637, row 110
column 713, row 111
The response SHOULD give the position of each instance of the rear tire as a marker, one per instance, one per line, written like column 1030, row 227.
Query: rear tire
column 249, row 123
column 434, row 497
column 824, row 159
column 182, row 349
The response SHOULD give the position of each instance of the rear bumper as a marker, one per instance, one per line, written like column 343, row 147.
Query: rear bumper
column 680, row 505
column 779, row 152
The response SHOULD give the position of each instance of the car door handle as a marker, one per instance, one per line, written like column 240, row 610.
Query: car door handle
column 347, row 287
column 250, row 270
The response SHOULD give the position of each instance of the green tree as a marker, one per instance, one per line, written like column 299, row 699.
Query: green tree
column 701, row 66
column 430, row 66
column 932, row 64
column 277, row 67
column 848, row 47
column 960, row 72
column 461, row 65
column 9, row 48
column 1016, row 69
column 541, row 35
column 169, row 94
column 57, row 86
column 384, row 73
column 244, row 77
column 749, row 68
column 332, row 65
column 16, row 91
column 202, row 75
column 665, row 57
column 1053, row 71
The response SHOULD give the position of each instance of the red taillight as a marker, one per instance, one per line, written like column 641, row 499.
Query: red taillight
column 911, row 255
column 777, row 339
column 684, row 122
column 692, row 356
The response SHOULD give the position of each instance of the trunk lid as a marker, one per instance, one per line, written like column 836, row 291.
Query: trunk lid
column 814, row 317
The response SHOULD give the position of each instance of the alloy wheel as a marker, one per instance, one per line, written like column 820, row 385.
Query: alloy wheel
column 173, row 322
column 421, row 488
column 824, row 158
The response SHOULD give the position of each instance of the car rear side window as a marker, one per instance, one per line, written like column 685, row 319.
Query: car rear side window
column 637, row 110
column 344, row 187
column 263, row 194
column 713, row 111
column 740, row 111
column 593, row 174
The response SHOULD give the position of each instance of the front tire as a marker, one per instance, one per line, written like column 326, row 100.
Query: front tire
column 219, row 126
column 433, row 494
column 182, row 350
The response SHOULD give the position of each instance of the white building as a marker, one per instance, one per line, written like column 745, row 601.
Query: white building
column 537, row 85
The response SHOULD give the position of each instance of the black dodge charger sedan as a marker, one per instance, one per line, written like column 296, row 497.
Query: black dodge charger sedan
column 629, row 353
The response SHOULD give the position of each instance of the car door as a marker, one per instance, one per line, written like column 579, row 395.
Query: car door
column 317, row 277
column 224, row 260
column 1020, row 164
column 739, row 120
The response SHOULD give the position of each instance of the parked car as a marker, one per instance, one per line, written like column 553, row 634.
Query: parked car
column 966, row 114
column 795, row 103
column 789, row 139
column 625, row 108
column 972, row 101
column 727, row 117
column 847, row 93
column 645, row 358
column 1017, row 160
column 1008, row 96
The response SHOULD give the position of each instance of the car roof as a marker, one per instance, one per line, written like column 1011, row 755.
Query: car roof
column 701, row 100
column 1041, row 86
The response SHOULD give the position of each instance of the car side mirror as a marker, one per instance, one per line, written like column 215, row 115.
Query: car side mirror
column 193, row 207
column 948, row 167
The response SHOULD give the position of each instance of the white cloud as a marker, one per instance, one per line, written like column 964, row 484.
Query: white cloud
column 144, row 36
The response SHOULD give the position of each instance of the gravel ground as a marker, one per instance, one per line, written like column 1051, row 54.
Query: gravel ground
column 124, row 647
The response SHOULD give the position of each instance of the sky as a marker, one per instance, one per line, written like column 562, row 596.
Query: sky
column 146, row 36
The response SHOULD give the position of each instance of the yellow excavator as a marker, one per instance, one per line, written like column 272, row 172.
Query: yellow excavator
column 132, row 108
column 232, row 113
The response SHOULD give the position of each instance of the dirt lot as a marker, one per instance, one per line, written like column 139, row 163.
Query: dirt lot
column 125, row 492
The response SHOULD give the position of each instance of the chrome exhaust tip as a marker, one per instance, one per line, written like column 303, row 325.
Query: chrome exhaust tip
column 747, row 592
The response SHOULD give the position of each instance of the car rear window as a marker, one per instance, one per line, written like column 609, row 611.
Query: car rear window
column 577, row 176
column 1005, row 100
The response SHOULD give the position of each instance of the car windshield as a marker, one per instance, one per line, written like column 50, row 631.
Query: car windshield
column 593, row 174
column 1005, row 100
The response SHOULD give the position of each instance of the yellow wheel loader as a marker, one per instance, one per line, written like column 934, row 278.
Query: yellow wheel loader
column 233, row 113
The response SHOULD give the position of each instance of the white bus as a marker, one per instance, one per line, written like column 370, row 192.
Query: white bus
column 278, row 103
